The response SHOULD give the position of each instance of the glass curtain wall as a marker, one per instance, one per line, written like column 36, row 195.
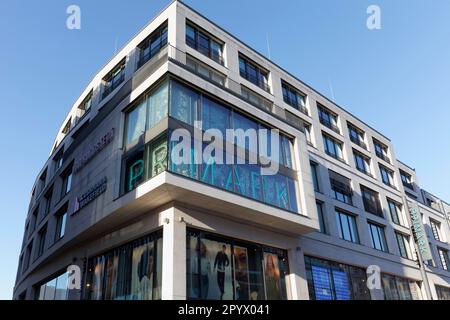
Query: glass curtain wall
column 186, row 107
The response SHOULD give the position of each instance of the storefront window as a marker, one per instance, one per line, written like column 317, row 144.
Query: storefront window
column 131, row 272
column 328, row 280
column 55, row 289
column 397, row 288
column 226, row 269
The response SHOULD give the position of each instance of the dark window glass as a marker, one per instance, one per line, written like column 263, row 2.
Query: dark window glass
column 443, row 255
column 403, row 245
column 204, row 43
column 378, row 237
column 396, row 212
column 347, row 226
column 152, row 45
column 314, row 168
column 42, row 235
column 254, row 74
column 333, row 148
column 328, row 280
column 319, row 206
column 371, row 201
column 61, row 221
column 114, row 78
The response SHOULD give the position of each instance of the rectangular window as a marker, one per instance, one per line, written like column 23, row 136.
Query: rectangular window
column 48, row 202
column 357, row 136
column 443, row 293
column 347, row 226
column 184, row 103
column 396, row 288
column 85, row 106
column 328, row 119
column 443, row 256
column 362, row 162
column 396, row 212
column 406, row 180
column 294, row 98
column 250, row 71
column 61, row 220
column 130, row 272
column 378, row 237
column 329, row 280
column 114, row 78
column 66, row 182
column 381, row 150
column 204, row 43
column 341, row 187
column 387, row 176
column 436, row 228
column 403, row 245
column 34, row 220
column 28, row 253
column 307, row 130
column 314, row 168
column 371, row 201
column 42, row 235
column 58, row 160
column 55, row 289
column 319, row 206
column 152, row 45
column 220, row 268
column 148, row 112
column 333, row 147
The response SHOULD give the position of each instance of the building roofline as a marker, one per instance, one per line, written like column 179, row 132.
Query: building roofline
column 281, row 68
column 413, row 169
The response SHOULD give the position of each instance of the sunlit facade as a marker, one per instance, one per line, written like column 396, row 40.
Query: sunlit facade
column 114, row 201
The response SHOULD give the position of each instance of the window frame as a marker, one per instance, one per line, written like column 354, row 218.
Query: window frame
column 381, row 236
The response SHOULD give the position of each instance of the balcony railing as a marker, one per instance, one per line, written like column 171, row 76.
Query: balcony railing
column 295, row 104
column 255, row 80
column 327, row 123
column 358, row 142
column 409, row 185
column 383, row 157
column 335, row 156
column 111, row 85
column 205, row 51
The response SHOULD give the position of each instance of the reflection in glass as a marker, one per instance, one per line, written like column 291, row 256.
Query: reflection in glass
column 219, row 268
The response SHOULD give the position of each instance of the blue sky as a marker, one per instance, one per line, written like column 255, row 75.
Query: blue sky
column 396, row 79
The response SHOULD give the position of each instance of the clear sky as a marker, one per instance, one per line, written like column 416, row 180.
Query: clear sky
column 396, row 79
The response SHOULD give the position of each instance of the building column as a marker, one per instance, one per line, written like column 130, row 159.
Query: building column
column 173, row 256
column 296, row 284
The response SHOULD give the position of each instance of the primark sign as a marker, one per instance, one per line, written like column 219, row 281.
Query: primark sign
column 419, row 233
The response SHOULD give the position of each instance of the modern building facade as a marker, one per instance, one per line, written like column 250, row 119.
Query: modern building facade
column 112, row 200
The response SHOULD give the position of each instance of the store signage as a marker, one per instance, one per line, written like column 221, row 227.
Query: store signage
column 90, row 195
column 93, row 151
column 419, row 233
